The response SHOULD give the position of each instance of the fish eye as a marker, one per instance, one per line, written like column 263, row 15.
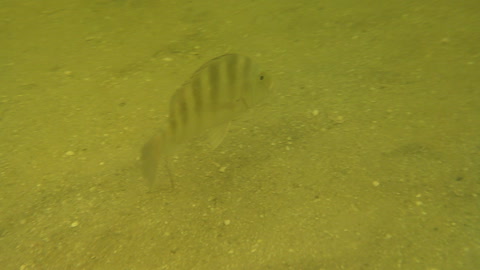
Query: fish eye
column 261, row 77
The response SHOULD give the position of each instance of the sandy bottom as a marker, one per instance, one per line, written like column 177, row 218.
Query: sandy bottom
column 366, row 157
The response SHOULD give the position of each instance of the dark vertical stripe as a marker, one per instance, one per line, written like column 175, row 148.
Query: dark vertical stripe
column 232, row 72
column 246, row 76
column 214, row 81
column 173, row 122
column 173, row 125
column 197, row 94
column 183, row 110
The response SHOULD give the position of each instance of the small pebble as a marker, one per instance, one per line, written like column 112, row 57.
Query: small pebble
column 339, row 119
column 74, row 224
column 375, row 183
column 226, row 222
column 315, row 112
column 70, row 153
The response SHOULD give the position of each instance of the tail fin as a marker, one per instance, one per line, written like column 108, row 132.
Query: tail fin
column 150, row 158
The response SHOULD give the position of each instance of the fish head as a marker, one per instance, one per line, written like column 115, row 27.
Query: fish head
column 262, row 85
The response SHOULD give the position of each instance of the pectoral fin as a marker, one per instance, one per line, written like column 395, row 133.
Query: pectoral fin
column 217, row 134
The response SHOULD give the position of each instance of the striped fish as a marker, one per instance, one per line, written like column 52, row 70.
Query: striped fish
column 218, row 92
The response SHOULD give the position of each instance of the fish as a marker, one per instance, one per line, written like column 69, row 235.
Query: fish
column 219, row 91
